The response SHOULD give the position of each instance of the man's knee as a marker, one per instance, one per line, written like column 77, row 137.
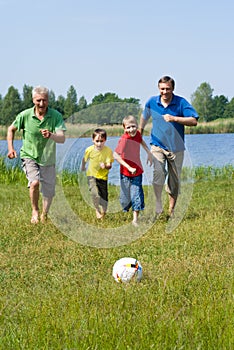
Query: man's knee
column 34, row 184
column 159, row 177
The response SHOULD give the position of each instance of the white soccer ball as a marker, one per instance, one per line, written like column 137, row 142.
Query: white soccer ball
column 127, row 269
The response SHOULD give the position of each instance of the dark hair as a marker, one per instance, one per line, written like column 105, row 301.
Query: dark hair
column 100, row 132
column 167, row 79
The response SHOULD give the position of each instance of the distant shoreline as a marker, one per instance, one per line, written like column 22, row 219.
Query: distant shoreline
column 219, row 126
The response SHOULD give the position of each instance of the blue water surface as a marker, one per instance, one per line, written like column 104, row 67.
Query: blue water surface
column 215, row 150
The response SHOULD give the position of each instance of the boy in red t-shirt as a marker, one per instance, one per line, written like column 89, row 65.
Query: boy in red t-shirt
column 127, row 153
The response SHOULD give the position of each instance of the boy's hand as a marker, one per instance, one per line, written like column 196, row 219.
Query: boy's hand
column 102, row 165
column 82, row 168
column 108, row 166
column 83, row 165
column 132, row 170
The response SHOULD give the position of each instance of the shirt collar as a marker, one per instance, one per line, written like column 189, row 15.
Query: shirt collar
column 158, row 100
column 47, row 115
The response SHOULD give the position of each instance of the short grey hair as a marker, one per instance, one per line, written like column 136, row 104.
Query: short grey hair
column 40, row 90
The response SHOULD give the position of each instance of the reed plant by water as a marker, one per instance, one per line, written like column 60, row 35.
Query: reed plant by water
column 85, row 130
column 59, row 294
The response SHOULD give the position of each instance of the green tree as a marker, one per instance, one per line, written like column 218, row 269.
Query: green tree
column 82, row 104
column 60, row 103
column 219, row 104
column 108, row 97
column 0, row 106
column 132, row 100
column 70, row 106
column 11, row 106
column 97, row 99
column 107, row 113
column 229, row 110
column 108, row 109
column 27, row 97
column 52, row 99
column 203, row 102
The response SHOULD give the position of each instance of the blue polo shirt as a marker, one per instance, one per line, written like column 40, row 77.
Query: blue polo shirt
column 168, row 135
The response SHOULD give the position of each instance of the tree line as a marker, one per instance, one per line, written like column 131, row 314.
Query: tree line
column 108, row 108
column 211, row 107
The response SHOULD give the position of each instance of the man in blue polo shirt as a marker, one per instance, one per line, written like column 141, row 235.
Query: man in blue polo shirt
column 170, row 113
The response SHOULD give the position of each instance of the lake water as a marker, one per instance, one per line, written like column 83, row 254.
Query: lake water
column 215, row 150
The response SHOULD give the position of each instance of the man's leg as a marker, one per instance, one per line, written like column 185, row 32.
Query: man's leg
column 34, row 197
column 46, row 203
column 158, row 194
column 172, row 203
column 173, row 183
column 32, row 172
column 159, row 176
column 47, row 180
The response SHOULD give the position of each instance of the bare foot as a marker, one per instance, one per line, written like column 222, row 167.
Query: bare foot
column 98, row 214
column 44, row 218
column 35, row 217
column 171, row 213
column 159, row 208
column 135, row 223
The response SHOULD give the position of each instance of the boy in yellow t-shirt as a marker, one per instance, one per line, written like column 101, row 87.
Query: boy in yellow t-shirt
column 100, row 158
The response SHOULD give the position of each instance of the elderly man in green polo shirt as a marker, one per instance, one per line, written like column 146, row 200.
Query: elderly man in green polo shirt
column 42, row 127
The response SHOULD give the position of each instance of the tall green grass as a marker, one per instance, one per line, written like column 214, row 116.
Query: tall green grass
column 59, row 294
column 218, row 126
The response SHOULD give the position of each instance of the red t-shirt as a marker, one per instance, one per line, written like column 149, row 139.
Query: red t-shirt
column 129, row 149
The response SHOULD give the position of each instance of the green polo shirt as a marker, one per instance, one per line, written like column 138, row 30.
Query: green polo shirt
column 35, row 146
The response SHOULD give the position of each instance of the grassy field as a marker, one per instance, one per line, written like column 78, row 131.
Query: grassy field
column 59, row 294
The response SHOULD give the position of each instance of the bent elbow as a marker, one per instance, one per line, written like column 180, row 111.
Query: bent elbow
column 115, row 155
column 61, row 139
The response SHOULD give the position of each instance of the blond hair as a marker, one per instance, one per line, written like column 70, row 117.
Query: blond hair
column 129, row 119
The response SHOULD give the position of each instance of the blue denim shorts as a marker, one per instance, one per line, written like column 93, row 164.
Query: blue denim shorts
column 131, row 193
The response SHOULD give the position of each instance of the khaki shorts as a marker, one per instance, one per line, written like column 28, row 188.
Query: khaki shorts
column 167, row 169
column 46, row 175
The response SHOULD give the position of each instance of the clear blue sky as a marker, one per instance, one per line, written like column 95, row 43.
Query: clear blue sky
column 121, row 46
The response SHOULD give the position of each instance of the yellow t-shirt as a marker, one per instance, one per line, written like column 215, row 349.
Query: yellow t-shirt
column 95, row 157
